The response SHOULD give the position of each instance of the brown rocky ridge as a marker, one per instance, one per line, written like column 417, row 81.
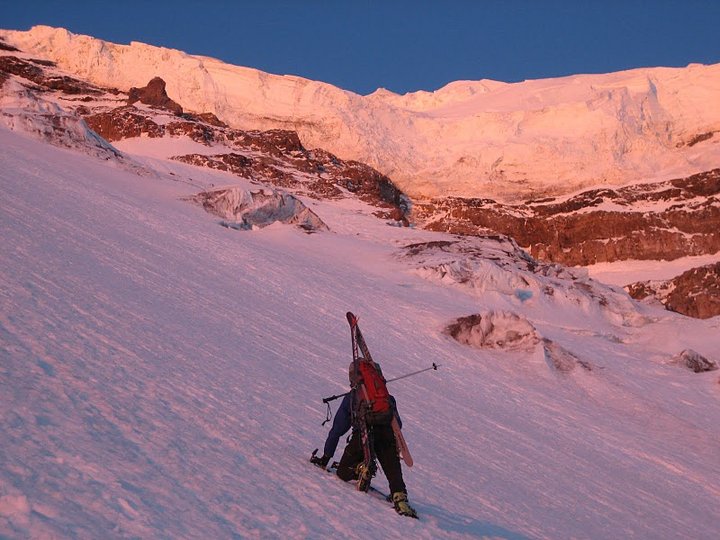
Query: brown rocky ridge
column 661, row 220
column 34, row 70
column 5, row 47
column 275, row 157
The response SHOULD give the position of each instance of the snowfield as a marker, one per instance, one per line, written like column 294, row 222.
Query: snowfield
column 161, row 376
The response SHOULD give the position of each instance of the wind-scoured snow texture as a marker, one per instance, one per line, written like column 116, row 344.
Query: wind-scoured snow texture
column 246, row 209
column 469, row 138
column 161, row 377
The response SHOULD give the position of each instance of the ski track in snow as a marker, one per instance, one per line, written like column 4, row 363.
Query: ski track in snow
column 161, row 377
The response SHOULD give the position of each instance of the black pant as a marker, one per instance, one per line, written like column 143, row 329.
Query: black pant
column 385, row 450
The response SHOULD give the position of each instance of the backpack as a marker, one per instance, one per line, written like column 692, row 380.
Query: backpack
column 373, row 397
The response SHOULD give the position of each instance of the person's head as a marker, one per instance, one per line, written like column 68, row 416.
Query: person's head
column 351, row 371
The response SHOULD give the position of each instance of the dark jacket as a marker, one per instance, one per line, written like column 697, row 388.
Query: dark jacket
column 343, row 422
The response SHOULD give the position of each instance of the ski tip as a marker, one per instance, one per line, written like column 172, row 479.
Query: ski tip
column 352, row 319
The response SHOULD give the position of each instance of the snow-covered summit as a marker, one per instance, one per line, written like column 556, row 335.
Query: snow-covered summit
column 469, row 138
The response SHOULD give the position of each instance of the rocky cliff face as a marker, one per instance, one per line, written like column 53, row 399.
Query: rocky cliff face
column 36, row 71
column 695, row 293
column 276, row 157
column 662, row 220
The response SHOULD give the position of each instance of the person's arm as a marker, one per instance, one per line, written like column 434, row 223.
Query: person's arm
column 341, row 425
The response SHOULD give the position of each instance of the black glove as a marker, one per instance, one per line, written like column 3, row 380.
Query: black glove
column 320, row 461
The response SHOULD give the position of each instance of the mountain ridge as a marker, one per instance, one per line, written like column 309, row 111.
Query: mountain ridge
column 510, row 141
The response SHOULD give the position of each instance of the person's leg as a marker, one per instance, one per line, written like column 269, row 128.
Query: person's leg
column 352, row 455
column 386, row 452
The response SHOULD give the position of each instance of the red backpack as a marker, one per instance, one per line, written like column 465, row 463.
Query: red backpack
column 373, row 394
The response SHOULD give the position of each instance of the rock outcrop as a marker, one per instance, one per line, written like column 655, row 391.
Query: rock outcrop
column 495, row 330
column 248, row 209
column 5, row 47
column 695, row 293
column 694, row 361
column 35, row 71
column 154, row 94
column 275, row 157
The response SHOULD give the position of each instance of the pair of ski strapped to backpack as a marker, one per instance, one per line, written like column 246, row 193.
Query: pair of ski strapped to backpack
column 371, row 406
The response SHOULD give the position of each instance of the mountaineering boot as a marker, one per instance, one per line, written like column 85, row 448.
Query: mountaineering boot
column 364, row 475
column 402, row 507
column 319, row 461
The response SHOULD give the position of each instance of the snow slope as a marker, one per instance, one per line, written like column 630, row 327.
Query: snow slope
column 161, row 377
column 471, row 138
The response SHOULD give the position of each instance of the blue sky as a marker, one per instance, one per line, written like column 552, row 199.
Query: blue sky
column 402, row 45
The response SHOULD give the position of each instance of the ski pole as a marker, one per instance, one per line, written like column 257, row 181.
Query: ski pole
column 333, row 398
column 434, row 366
